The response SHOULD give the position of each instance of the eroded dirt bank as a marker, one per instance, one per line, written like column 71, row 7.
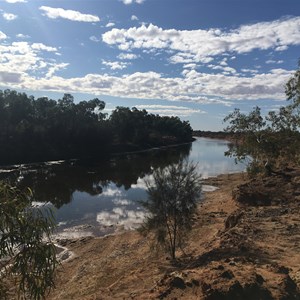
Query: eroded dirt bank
column 236, row 250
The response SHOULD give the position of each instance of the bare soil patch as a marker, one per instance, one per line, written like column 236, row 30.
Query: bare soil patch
column 236, row 250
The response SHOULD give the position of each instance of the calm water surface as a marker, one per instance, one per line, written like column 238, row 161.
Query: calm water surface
column 100, row 197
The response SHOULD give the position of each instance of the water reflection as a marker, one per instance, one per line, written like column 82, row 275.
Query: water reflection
column 121, row 216
column 57, row 183
column 209, row 154
column 98, row 197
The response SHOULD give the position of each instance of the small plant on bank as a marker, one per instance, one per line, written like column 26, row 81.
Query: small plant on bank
column 172, row 202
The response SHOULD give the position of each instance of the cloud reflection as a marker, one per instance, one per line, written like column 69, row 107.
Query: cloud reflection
column 111, row 192
column 141, row 182
column 120, row 216
column 121, row 202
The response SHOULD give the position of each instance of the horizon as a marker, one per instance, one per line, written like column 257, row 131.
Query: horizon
column 197, row 60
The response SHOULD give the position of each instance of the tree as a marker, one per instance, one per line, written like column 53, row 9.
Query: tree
column 248, row 129
column 270, row 141
column 45, row 129
column 172, row 201
column 27, row 255
column 292, row 88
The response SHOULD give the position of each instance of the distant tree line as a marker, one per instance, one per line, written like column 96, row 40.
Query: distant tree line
column 45, row 129
column 56, row 183
column 222, row 135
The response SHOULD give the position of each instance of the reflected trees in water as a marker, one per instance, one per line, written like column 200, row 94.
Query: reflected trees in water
column 57, row 183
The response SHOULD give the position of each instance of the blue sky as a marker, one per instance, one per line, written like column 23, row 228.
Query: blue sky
column 196, row 59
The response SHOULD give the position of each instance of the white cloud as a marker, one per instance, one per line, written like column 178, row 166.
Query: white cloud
column 127, row 56
column 224, row 62
column 223, row 67
column 95, row 39
column 22, row 36
column 72, row 15
column 127, row 2
column 42, row 47
column 16, row 1
column 21, row 60
column 201, row 45
column 115, row 65
column 110, row 24
column 190, row 66
column 23, row 65
column 249, row 71
column 9, row 17
column 3, row 36
column 169, row 110
column 193, row 87
column 134, row 18
column 281, row 48
column 53, row 68
column 271, row 61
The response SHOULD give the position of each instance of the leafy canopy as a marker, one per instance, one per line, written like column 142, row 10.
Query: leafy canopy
column 270, row 141
column 27, row 255
column 34, row 130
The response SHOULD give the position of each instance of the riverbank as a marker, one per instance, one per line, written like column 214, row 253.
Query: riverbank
column 235, row 251
column 221, row 135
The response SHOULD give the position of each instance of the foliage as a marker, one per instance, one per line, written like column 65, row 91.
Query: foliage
column 42, row 129
column 292, row 88
column 27, row 255
column 45, row 129
column 171, row 204
column 139, row 127
column 271, row 141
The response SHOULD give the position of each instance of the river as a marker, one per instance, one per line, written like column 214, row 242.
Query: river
column 101, row 197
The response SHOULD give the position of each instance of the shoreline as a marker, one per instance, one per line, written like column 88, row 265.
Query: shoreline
column 16, row 166
column 100, row 231
column 232, row 250
column 118, row 240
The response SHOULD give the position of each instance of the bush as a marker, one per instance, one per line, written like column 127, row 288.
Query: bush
column 27, row 255
column 172, row 201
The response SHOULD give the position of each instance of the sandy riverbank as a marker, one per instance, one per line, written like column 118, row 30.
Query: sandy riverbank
column 233, row 252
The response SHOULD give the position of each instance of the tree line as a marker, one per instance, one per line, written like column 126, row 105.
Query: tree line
column 45, row 129
column 268, row 143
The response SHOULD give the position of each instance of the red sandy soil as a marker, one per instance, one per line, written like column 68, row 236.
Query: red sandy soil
column 236, row 250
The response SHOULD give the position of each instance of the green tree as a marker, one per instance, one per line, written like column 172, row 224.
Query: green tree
column 27, row 255
column 122, row 123
column 270, row 141
column 45, row 129
column 292, row 88
column 172, row 201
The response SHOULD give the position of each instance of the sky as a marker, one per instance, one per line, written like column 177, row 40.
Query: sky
column 195, row 59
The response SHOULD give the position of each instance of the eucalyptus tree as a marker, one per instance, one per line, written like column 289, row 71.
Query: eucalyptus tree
column 272, row 140
column 292, row 88
column 27, row 254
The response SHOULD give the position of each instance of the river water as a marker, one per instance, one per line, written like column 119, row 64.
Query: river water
column 100, row 197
